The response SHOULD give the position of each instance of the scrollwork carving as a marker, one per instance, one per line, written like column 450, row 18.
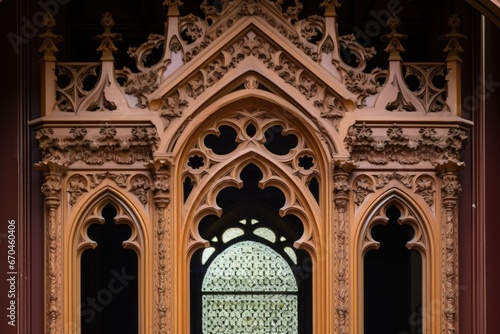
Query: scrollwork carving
column 265, row 51
column 97, row 178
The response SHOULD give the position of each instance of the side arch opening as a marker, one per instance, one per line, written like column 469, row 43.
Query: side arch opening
column 109, row 278
column 395, row 277
column 392, row 279
column 109, row 267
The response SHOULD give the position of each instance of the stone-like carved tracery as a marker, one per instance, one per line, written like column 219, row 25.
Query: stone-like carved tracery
column 252, row 82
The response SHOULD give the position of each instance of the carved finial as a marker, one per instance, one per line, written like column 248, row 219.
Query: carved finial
column 330, row 7
column 48, row 47
column 173, row 7
column 394, row 47
column 108, row 38
column 453, row 47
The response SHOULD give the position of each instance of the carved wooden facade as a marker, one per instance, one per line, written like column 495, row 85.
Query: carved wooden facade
column 134, row 138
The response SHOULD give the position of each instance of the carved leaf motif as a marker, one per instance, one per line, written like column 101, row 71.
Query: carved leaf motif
column 425, row 188
column 363, row 187
column 51, row 188
column 384, row 179
column 139, row 186
column 77, row 185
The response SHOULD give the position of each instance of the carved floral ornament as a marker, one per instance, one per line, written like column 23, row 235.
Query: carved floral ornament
column 97, row 146
column 405, row 146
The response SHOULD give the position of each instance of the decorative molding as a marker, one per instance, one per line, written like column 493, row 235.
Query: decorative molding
column 342, row 277
column 431, row 145
column 450, row 188
column 97, row 178
column 161, row 170
column 96, row 146
column 52, row 189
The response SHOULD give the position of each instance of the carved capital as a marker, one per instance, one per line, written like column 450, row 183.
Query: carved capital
column 161, row 169
column 52, row 186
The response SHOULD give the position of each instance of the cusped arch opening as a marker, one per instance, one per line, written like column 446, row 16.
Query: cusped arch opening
column 248, row 245
column 394, row 265
column 261, row 183
column 108, row 261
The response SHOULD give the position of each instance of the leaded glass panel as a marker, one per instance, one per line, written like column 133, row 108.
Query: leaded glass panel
column 256, row 314
column 236, row 288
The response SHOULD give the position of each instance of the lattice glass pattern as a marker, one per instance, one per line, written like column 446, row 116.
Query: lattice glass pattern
column 256, row 269
column 256, row 314
column 249, row 266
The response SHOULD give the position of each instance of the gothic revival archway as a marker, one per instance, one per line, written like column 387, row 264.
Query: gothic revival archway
column 252, row 86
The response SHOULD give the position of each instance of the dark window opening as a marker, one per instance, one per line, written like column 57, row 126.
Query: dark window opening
column 392, row 281
column 187, row 187
column 314, row 188
column 109, row 288
column 277, row 142
column 224, row 143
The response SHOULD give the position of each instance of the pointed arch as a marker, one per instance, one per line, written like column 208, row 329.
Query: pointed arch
column 299, row 201
column 219, row 172
column 90, row 213
column 423, row 241
column 277, row 99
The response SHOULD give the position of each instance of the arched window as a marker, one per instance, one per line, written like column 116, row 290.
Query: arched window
column 392, row 279
column 251, row 278
column 109, row 279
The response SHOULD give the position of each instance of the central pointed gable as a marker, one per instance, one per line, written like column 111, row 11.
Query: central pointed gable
column 263, row 49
